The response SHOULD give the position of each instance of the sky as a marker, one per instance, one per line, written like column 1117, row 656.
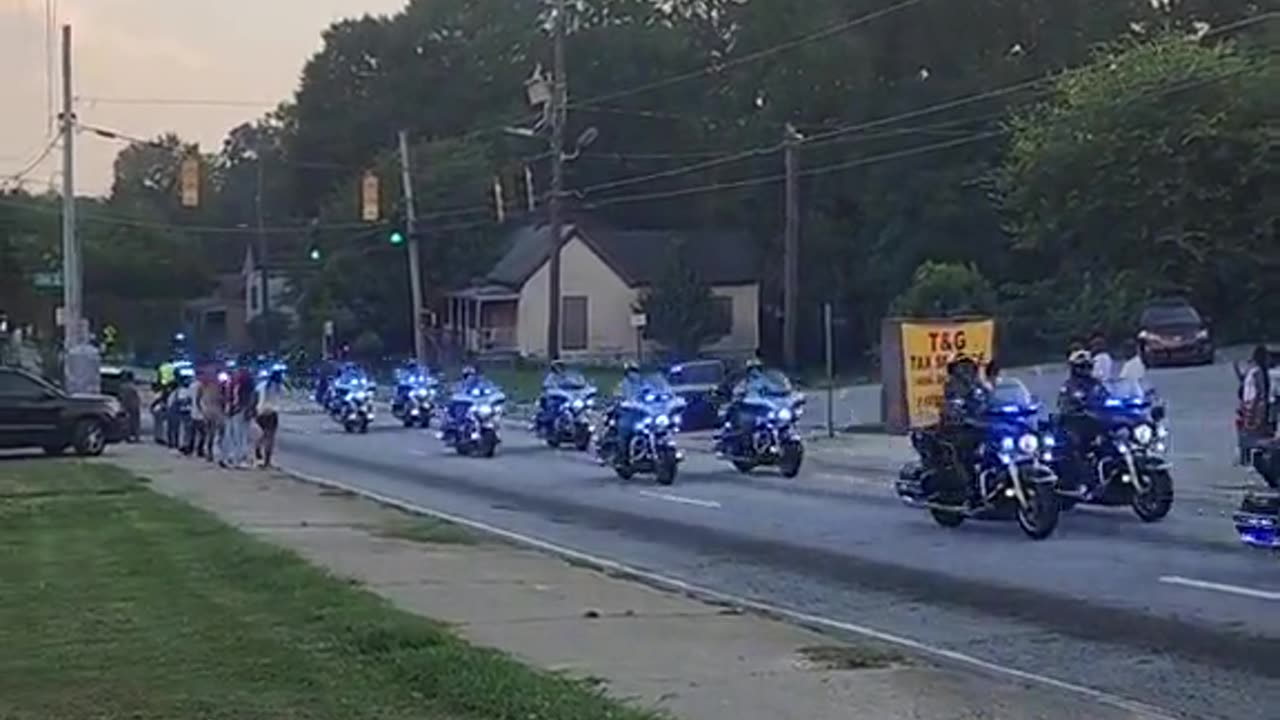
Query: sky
column 249, row 52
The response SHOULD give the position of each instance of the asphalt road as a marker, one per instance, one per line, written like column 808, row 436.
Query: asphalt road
column 1176, row 615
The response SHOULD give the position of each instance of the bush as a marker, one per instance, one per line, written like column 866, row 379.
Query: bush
column 946, row 290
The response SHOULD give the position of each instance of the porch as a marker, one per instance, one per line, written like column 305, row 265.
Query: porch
column 482, row 320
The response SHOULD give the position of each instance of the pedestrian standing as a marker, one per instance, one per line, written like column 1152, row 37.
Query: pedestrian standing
column 131, row 402
column 209, row 405
column 1102, row 362
column 240, row 418
column 1134, row 368
column 1255, row 421
column 270, row 394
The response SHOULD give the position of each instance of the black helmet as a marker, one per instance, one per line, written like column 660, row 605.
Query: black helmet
column 557, row 366
column 630, row 368
column 753, row 364
column 468, row 371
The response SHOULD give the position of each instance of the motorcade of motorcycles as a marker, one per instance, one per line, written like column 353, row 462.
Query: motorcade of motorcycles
column 759, row 429
column 352, row 405
column 1008, row 477
column 472, row 418
column 1122, row 459
column 640, row 433
column 415, row 399
column 564, row 413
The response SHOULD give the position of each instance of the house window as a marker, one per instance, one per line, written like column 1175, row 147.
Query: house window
column 723, row 307
column 573, row 322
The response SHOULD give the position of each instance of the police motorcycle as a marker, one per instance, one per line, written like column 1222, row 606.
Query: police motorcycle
column 639, row 435
column 415, row 398
column 758, row 428
column 1124, row 462
column 471, row 420
column 352, row 403
column 1010, row 477
column 563, row 415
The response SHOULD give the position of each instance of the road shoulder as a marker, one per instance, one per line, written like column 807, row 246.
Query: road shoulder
column 657, row 650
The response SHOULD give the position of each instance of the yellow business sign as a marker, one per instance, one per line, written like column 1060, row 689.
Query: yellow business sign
column 927, row 348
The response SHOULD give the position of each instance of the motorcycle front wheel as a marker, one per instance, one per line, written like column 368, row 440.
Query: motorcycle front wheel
column 488, row 443
column 666, row 465
column 1154, row 502
column 792, row 458
column 1039, row 517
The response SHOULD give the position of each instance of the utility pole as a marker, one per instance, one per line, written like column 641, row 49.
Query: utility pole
column 791, row 253
column 81, row 363
column 265, row 278
column 559, row 100
column 415, row 272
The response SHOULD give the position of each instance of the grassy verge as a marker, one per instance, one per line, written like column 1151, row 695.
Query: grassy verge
column 524, row 383
column 117, row 602
column 427, row 530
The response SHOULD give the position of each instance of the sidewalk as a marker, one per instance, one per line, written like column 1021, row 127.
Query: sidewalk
column 696, row 661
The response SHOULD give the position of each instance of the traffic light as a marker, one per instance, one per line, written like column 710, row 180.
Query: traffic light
column 314, row 254
column 397, row 237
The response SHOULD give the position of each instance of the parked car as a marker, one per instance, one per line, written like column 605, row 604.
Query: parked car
column 700, row 384
column 1171, row 331
column 36, row 413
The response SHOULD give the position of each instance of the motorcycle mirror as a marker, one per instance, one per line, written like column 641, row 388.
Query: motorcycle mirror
column 1158, row 413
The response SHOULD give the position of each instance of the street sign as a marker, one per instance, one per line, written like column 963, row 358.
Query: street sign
column 639, row 320
column 369, row 198
column 191, row 182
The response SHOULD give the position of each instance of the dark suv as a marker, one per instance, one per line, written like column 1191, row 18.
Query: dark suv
column 1171, row 331
column 35, row 413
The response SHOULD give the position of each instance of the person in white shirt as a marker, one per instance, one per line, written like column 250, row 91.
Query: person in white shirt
column 1102, row 362
column 270, row 393
column 1133, row 368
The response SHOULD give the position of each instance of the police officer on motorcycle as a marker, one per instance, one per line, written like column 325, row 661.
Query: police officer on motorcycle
column 961, row 422
column 616, row 418
column 1080, row 388
column 737, row 417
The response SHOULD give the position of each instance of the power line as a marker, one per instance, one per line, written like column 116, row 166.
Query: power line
column 174, row 102
column 32, row 165
column 859, row 162
column 768, row 52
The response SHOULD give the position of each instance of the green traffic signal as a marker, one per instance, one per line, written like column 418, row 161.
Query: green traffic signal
column 397, row 238
column 315, row 254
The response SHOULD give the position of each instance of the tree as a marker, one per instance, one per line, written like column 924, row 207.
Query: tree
column 682, row 312
column 946, row 290
column 1153, row 160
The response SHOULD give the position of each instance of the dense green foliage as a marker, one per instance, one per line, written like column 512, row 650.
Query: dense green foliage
column 680, row 312
column 1080, row 156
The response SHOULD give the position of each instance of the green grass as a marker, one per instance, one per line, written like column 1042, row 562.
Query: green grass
column 427, row 530
column 524, row 383
column 117, row 602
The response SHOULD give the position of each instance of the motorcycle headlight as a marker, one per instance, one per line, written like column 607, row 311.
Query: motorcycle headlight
column 1028, row 444
column 420, row 393
column 785, row 415
column 1142, row 434
column 1006, row 444
column 484, row 410
column 579, row 404
column 662, row 421
column 1162, row 432
column 360, row 396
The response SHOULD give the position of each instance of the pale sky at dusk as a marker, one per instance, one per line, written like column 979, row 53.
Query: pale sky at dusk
column 239, row 50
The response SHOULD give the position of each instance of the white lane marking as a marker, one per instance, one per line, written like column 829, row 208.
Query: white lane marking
column 1221, row 587
column 680, row 499
column 1148, row 712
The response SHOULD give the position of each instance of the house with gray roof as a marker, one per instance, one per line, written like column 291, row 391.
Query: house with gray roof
column 605, row 271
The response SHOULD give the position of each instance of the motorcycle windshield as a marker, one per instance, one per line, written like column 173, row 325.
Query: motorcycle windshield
column 1120, row 396
column 1011, row 397
column 573, row 382
column 483, row 390
column 772, row 385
